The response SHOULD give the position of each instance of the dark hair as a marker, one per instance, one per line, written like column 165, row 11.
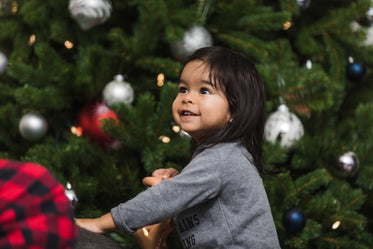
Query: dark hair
column 244, row 89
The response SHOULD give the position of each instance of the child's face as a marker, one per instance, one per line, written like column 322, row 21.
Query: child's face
column 199, row 108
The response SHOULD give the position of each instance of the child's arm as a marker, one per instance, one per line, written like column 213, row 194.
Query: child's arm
column 102, row 224
column 106, row 223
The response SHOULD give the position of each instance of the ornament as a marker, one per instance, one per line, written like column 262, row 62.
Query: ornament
column 184, row 134
column 348, row 164
column 284, row 127
column 70, row 194
column 3, row 63
column 89, row 13
column 33, row 126
column 303, row 4
column 194, row 38
column 294, row 220
column 91, row 119
column 118, row 91
column 356, row 71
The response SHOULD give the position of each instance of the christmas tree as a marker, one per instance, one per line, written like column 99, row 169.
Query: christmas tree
column 86, row 89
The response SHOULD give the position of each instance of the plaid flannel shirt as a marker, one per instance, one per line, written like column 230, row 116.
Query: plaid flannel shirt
column 34, row 211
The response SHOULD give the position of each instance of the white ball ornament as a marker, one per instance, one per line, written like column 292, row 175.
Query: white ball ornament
column 3, row 63
column 89, row 13
column 194, row 38
column 118, row 91
column 33, row 126
column 284, row 127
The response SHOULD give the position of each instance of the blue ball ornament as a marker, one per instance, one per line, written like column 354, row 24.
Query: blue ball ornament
column 294, row 220
column 356, row 71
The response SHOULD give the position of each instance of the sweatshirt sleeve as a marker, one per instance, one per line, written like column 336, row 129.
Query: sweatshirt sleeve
column 198, row 182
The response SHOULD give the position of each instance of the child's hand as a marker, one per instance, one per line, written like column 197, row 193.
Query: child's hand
column 89, row 224
column 159, row 175
column 101, row 225
column 154, row 237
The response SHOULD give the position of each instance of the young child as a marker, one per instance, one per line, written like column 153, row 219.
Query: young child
column 218, row 200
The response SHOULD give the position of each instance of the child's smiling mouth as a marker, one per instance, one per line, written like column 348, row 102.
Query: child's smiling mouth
column 185, row 113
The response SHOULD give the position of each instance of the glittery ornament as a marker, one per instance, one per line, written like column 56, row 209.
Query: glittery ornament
column 294, row 220
column 3, row 63
column 194, row 38
column 89, row 13
column 118, row 91
column 284, row 127
column 70, row 194
column 91, row 119
column 348, row 164
column 33, row 126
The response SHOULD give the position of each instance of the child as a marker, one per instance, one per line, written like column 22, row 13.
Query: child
column 218, row 200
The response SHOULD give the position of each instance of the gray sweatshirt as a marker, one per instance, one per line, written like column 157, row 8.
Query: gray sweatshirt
column 217, row 201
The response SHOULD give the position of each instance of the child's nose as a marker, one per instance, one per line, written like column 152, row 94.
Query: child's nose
column 188, row 98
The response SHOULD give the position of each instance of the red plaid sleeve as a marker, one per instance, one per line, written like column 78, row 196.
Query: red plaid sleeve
column 34, row 211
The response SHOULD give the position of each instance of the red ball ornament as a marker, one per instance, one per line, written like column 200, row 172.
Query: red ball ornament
column 91, row 119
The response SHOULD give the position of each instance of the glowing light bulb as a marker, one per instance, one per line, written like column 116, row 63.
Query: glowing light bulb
column 160, row 80
column 165, row 139
column 14, row 7
column 176, row 128
column 76, row 130
column 68, row 44
column 287, row 25
column 31, row 40
column 336, row 225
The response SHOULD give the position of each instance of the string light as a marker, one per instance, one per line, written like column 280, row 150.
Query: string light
column 160, row 80
column 287, row 25
column 336, row 225
column 165, row 139
column 76, row 130
column 176, row 128
column 31, row 40
column 14, row 7
column 68, row 44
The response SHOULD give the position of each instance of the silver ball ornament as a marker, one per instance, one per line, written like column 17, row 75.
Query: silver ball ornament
column 348, row 164
column 118, row 91
column 194, row 38
column 70, row 194
column 89, row 13
column 284, row 127
column 33, row 126
column 303, row 4
column 3, row 63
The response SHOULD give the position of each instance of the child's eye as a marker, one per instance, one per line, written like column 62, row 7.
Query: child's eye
column 182, row 90
column 205, row 91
